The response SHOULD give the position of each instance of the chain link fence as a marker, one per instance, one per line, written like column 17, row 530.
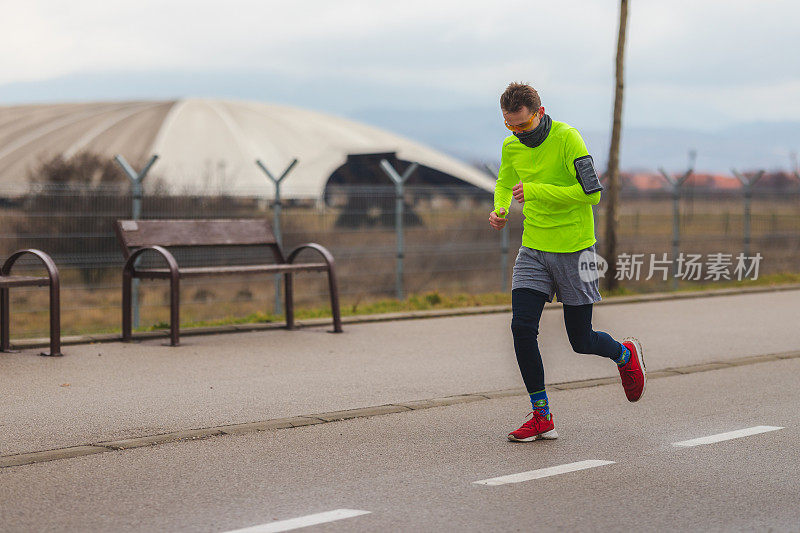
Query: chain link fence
column 449, row 247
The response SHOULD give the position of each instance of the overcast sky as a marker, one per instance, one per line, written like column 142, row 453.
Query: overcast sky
column 698, row 64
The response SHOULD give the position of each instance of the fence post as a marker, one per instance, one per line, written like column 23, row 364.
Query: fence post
column 399, row 182
column 747, row 184
column 276, row 224
column 795, row 170
column 137, row 192
column 675, row 186
column 504, row 238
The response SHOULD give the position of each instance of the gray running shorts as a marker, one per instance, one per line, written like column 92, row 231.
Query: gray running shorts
column 567, row 275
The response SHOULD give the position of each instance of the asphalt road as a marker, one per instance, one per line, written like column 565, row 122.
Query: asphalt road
column 112, row 391
column 416, row 471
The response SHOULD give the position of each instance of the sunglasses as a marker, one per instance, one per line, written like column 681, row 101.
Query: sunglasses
column 525, row 125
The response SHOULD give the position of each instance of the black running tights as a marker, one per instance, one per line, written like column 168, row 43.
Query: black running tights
column 527, row 305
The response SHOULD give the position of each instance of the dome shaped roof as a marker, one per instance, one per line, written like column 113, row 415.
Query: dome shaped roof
column 207, row 145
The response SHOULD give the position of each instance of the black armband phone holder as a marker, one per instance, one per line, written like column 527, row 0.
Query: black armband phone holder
column 587, row 175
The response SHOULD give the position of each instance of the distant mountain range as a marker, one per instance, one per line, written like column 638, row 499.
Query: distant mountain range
column 443, row 119
column 476, row 135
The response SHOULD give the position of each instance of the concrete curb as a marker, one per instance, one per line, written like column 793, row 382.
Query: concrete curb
column 7, row 461
column 388, row 317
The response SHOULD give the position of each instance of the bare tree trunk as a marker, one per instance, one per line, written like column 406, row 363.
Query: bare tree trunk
column 612, row 173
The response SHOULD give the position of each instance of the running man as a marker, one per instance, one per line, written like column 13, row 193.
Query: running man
column 545, row 166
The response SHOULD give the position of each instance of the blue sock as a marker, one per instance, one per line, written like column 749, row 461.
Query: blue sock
column 624, row 357
column 539, row 402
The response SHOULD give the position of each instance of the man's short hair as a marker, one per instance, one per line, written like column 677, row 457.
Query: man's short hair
column 518, row 95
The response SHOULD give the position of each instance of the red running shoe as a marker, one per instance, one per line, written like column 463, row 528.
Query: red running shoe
column 538, row 427
column 633, row 373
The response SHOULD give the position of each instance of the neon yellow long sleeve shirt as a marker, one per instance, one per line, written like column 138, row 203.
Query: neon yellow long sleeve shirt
column 558, row 214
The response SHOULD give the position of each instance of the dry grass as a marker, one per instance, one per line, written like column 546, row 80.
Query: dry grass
column 453, row 255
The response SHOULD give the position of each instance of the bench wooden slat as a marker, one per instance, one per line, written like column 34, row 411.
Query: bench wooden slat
column 158, row 273
column 201, row 232
column 23, row 281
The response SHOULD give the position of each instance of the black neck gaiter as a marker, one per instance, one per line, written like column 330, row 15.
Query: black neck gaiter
column 537, row 135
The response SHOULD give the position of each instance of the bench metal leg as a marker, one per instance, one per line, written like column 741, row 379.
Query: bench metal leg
column 55, row 302
column 174, row 296
column 334, row 290
column 174, row 310
column 55, row 319
column 5, row 342
column 288, row 292
column 126, row 306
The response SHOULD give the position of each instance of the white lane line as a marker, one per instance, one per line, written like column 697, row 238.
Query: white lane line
column 302, row 521
column 543, row 472
column 711, row 439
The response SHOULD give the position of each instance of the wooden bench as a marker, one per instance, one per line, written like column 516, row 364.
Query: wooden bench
column 140, row 236
column 7, row 281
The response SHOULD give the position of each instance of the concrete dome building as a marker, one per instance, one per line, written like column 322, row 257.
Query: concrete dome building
column 208, row 146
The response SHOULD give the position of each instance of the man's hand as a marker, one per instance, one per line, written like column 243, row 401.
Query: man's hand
column 518, row 193
column 495, row 221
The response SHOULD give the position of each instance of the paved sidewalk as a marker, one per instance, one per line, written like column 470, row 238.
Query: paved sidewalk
column 100, row 392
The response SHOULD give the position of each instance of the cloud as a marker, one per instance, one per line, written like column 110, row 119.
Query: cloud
column 706, row 62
